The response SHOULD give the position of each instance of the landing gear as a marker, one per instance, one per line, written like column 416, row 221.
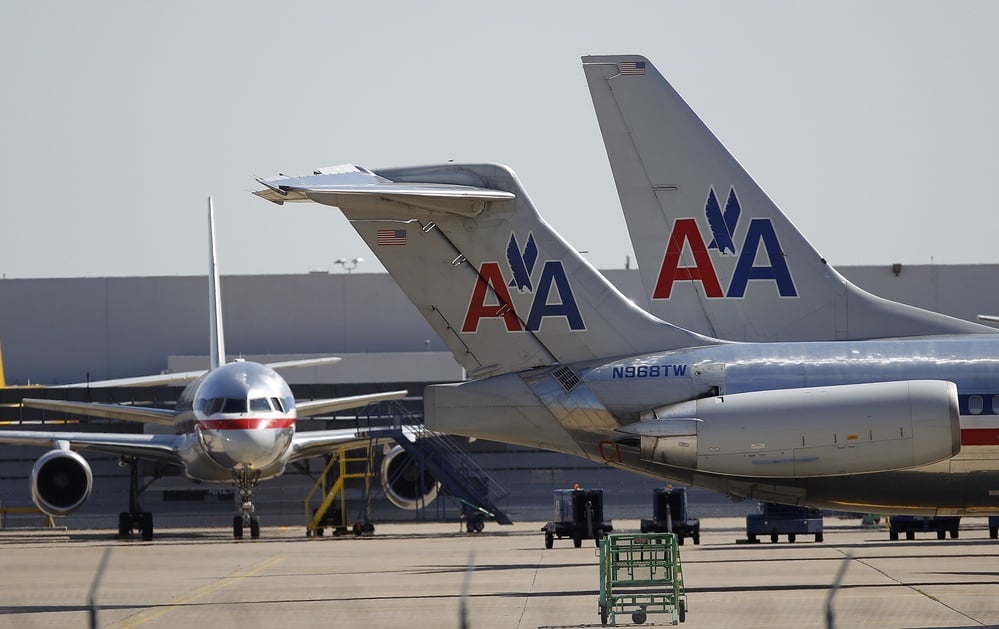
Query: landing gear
column 135, row 519
column 246, row 480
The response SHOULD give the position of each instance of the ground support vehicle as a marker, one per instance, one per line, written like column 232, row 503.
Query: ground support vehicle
column 669, row 515
column 777, row 519
column 641, row 575
column 579, row 515
column 911, row 524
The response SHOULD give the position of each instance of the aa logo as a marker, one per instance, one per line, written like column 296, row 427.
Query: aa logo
column 549, row 295
column 758, row 257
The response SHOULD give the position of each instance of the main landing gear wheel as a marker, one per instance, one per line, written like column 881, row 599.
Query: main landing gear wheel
column 141, row 523
column 135, row 519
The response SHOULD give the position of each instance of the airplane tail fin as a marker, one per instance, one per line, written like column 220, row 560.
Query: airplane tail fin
column 714, row 252
column 498, row 284
column 216, row 336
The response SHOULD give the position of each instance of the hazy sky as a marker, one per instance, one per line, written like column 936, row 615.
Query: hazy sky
column 872, row 124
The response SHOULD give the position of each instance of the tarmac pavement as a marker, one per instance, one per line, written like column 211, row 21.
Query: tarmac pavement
column 414, row 575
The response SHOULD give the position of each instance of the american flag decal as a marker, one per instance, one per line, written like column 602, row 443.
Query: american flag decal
column 632, row 67
column 387, row 237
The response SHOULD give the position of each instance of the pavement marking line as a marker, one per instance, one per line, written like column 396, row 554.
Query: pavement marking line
column 148, row 615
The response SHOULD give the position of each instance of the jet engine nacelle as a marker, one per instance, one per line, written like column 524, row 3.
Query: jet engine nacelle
column 807, row 432
column 61, row 481
column 406, row 485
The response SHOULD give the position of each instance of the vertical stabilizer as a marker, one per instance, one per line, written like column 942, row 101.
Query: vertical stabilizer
column 216, row 337
column 714, row 252
column 502, row 289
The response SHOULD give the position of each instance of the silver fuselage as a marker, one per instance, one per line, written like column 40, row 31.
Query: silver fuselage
column 613, row 394
column 240, row 416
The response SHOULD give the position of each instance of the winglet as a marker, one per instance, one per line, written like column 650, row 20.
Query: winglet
column 217, row 338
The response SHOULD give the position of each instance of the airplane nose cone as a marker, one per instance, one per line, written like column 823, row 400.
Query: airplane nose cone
column 250, row 448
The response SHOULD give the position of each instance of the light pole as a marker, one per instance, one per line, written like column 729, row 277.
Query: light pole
column 348, row 265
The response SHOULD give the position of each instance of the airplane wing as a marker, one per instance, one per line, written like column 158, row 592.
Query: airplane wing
column 183, row 377
column 310, row 443
column 342, row 183
column 162, row 448
column 166, row 417
column 139, row 414
column 318, row 407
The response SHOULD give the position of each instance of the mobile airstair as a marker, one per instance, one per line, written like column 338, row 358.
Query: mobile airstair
column 432, row 456
column 461, row 479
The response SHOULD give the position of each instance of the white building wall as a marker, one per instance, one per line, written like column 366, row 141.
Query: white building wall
column 56, row 331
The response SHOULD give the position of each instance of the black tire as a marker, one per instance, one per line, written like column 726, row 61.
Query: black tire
column 577, row 542
column 773, row 538
column 254, row 527
column 679, row 540
column 791, row 537
column 953, row 534
column 147, row 526
column 994, row 532
column 320, row 531
column 818, row 537
column 639, row 617
column 910, row 535
column 697, row 539
column 603, row 615
column 124, row 526
column 941, row 534
column 893, row 536
column 479, row 526
column 752, row 538
column 237, row 527
column 682, row 610
column 549, row 539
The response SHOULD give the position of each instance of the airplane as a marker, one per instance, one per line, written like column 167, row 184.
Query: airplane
column 560, row 360
column 714, row 252
column 234, row 423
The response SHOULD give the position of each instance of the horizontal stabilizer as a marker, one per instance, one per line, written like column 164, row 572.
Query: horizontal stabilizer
column 350, row 183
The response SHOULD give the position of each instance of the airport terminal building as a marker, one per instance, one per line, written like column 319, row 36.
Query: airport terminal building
column 60, row 331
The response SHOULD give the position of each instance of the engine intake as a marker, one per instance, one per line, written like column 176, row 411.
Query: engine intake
column 61, row 481
column 406, row 484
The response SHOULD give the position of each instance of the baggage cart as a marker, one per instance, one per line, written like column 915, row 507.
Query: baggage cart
column 641, row 575
column 777, row 519
column 669, row 515
column 911, row 524
column 579, row 515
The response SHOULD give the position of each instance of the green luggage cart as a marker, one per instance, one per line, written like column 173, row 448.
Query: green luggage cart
column 641, row 575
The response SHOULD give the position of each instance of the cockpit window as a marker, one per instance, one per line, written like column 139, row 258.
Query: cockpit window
column 233, row 405
column 276, row 403
column 259, row 404
column 213, row 405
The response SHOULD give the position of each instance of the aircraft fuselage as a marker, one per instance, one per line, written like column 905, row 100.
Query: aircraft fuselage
column 593, row 411
column 240, row 416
